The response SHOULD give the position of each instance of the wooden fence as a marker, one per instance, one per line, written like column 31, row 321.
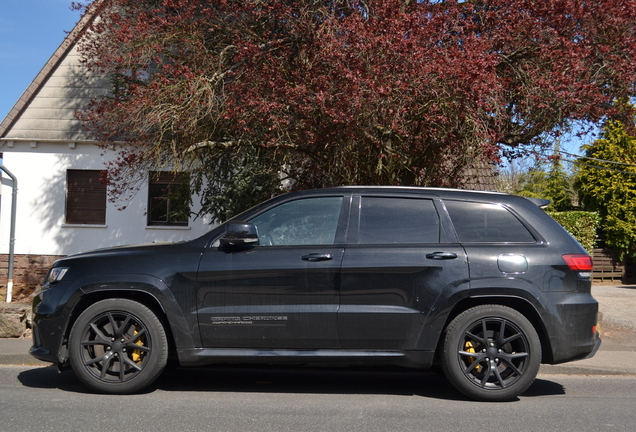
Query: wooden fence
column 607, row 267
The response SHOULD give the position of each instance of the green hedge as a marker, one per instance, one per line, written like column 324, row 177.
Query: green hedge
column 582, row 225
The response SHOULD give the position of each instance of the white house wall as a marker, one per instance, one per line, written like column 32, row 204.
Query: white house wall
column 40, row 168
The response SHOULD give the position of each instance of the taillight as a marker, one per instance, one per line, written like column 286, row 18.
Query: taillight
column 581, row 263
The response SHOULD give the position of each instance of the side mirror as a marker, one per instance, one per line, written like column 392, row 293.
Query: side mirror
column 239, row 234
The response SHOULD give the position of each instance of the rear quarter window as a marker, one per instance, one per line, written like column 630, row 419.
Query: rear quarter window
column 486, row 223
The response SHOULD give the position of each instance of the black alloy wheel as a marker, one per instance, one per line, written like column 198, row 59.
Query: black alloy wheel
column 491, row 353
column 118, row 346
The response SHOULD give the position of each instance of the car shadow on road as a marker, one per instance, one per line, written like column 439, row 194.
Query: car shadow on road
column 288, row 380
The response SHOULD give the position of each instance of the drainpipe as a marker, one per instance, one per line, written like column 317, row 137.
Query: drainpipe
column 14, row 198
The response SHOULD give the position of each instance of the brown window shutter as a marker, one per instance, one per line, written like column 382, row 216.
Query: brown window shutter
column 85, row 198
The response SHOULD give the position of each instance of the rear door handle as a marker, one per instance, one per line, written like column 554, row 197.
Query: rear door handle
column 441, row 255
column 317, row 257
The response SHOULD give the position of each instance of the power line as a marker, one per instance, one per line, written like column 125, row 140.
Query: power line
column 602, row 168
column 597, row 160
column 578, row 162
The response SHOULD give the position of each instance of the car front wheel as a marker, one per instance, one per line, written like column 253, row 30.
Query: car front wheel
column 118, row 346
column 491, row 353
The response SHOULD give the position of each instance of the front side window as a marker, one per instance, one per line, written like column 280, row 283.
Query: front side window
column 486, row 223
column 85, row 197
column 311, row 221
column 397, row 220
column 168, row 199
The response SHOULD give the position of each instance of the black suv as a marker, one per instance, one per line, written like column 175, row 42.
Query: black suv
column 484, row 284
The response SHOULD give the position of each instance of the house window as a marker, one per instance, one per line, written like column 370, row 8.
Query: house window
column 168, row 199
column 85, row 198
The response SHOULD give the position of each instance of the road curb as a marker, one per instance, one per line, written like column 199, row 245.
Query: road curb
column 608, row 362
column 16, row 352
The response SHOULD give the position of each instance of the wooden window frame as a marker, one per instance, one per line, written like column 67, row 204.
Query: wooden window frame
column 167, row 180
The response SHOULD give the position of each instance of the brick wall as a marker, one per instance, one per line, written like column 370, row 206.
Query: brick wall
column 28, row 272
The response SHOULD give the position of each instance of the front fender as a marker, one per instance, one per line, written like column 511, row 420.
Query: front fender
column 181, row 324
column 56, row 308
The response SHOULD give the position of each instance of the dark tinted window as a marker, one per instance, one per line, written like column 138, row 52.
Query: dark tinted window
column 168, row 199
column 311, row 221
column 398, row 220
column 479, row 222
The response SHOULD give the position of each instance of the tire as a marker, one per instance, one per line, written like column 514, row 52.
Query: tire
column 118, row 346
column 491, row 353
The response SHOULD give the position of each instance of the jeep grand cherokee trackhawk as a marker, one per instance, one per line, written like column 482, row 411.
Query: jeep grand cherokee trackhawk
column 484, row 284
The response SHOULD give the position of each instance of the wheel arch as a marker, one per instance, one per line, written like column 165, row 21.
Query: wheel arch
column 519, row 304
column 118, row 345
column 139, row 294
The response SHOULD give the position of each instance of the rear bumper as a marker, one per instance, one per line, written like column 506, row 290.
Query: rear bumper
column 571, row 326
column 596, row 347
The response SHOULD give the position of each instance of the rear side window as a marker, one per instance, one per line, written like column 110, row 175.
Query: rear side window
column 486, row 223
column 397, row 220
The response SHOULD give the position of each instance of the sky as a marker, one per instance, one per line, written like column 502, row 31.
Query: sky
column 30, row 32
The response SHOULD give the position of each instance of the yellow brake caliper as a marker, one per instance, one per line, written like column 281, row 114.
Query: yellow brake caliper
column 469, row 347
column 137, row 354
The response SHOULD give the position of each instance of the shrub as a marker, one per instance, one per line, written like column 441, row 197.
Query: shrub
column 582, row 225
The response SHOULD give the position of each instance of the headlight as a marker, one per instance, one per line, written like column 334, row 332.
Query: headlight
column 55, row 275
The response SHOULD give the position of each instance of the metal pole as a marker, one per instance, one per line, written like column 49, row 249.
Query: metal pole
column 14, row 199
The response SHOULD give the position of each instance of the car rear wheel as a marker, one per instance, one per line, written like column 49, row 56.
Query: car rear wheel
column 491, row 353
column 118, row 346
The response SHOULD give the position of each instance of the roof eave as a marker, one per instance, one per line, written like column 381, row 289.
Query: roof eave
column 48, row 69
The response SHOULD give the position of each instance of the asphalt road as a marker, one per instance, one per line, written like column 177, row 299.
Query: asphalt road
column 216, row 399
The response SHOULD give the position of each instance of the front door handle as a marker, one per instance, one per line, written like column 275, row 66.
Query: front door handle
column 317, row 257
column 441, row 255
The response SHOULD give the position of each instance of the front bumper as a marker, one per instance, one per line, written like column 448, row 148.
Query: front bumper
column 51, row 312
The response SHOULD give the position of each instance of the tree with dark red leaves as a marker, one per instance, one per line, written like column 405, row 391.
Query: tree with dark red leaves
column 246, row 93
